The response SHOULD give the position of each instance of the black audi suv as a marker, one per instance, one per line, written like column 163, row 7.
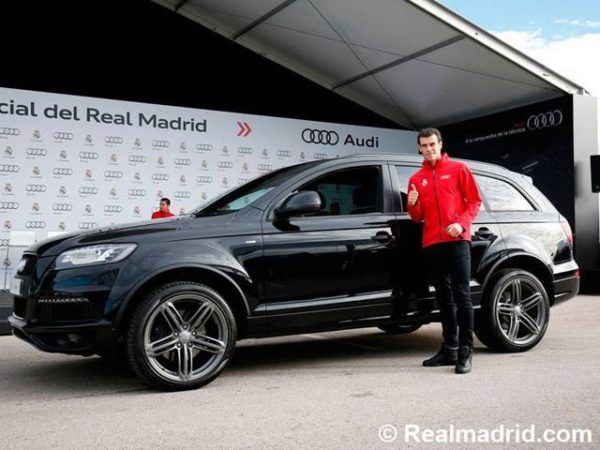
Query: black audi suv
column 324, row 245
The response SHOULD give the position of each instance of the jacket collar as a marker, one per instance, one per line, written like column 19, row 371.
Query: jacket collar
column 440, row 163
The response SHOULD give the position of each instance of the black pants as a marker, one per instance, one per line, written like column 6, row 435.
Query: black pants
column 450, row 267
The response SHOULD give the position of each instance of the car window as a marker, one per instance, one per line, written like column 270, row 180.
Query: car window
column 242, row 196
column 349, row 191
column 501, row 196
column 404, row 173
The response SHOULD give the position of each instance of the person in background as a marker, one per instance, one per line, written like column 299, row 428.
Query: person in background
column 163, row 209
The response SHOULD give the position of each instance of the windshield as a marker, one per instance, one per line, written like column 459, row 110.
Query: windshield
column 244, row 195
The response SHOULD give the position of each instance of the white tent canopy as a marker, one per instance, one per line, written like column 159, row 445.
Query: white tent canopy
column 413, row 61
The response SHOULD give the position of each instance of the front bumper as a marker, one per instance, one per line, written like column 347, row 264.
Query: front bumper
column 77, row 339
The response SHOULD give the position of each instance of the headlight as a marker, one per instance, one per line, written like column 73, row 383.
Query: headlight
column 94, row 254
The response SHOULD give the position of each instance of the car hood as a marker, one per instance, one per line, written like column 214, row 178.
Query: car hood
column 132, row 232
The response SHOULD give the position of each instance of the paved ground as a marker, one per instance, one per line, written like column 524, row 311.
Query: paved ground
column 330, row 390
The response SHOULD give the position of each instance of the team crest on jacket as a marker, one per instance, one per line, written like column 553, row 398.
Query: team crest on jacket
column 424, row 182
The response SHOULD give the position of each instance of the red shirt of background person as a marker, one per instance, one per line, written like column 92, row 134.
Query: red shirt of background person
column 163, row 210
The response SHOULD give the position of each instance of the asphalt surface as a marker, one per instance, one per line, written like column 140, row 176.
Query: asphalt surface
column 326, row 390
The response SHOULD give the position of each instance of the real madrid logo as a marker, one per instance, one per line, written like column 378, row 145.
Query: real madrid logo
column 424, row 182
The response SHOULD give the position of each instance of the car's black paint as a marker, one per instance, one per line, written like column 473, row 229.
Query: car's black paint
column 283, row 276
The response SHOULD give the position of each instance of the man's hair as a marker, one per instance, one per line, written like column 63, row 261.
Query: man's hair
column 426, row 132
column 166, row 200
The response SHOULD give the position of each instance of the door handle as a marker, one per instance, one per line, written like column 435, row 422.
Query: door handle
column 383, row 237
column 484, row 233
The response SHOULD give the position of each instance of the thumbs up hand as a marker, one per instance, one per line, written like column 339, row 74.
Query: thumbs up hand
column 413, row 195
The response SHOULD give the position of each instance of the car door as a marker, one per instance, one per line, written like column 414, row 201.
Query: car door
column 411, row 272
column 334, row 266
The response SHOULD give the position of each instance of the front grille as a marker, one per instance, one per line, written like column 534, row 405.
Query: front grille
column 66, row 309
column 51, row 309
column 19, row 306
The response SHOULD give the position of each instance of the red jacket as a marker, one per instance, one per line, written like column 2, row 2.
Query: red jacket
column 162, row 215
column 448, row 194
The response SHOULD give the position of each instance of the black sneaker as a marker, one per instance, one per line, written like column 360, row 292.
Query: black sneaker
column 463, row 364
column 447, row 356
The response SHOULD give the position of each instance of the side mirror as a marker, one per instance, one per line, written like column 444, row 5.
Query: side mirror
column 303, row 202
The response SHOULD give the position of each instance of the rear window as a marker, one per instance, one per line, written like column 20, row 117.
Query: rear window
column 502, row 196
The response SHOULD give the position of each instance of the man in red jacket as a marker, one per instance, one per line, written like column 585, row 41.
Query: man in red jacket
column 444, row 196
column 163, row 209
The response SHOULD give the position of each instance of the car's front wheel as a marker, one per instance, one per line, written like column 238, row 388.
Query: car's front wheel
column 515, row 312
column 181, row 336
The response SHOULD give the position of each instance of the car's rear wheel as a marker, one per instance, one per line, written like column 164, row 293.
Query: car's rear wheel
column 399, row 329
column 514, row 313
column 181, row 336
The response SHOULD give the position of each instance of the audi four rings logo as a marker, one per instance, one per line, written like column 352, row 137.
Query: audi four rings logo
column 182, row 194
column 204, row 179
column 9, row 168
column 88, row 155
column 245, row 150
column 204, row 147
column 137, row 158
column 113, row 174
column 265, row 167
column 10, row 131
column 159, row 143
column 183, row 162
column 324, row 137
column 86, row 225
column 35, row 224
column 4, row 242
column 9, row 205
column 225, row 164
column 113, row 208
column 62, row 207
column 319, row 156
column 62, row 171
column 36, row 151
column 35, row 188
column 160, row 176
column 88, row 190
column 545, row 120
column 113, row 140
column 284, row 153
column 137, row 193
column 63, row 136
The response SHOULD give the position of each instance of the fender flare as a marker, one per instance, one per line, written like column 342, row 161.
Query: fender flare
column 125, row 303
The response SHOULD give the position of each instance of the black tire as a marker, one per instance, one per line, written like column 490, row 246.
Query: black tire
column 400, row 329
column 181, row 336
column 513, row 321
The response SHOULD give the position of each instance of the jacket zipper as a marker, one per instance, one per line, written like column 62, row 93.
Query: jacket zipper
column 437, row 206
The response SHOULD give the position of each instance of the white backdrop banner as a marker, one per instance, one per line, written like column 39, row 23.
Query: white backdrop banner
column 71, row 163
